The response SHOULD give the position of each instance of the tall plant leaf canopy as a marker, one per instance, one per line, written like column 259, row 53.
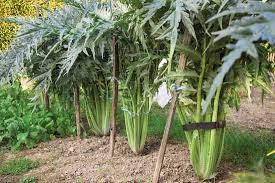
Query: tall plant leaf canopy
column 59, row 41
column 255, row 26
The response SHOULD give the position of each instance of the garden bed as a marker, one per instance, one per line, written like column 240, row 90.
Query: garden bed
column 87, row 160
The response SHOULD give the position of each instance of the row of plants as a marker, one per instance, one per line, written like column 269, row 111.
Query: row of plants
column 213, row 49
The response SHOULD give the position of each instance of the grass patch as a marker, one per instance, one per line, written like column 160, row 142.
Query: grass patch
column 248, row 148
column 1, row 156
column 17, row 167
column 31, row 179
column 157, row 121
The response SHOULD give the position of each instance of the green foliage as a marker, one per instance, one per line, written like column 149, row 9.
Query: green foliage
column 255, row 176
column 71, row 47
column 157, row 118
column 156, row 125
column 175, row 14
column 13, row 8
column 17, row 167
column 68, row 48
column 65, row 41
column 22, row 123
column 28, row 180
column 247, row 148
column 176, row 20
column 255, row 24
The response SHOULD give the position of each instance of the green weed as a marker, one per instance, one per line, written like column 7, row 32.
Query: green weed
column 17, row 167
column 31, row 179
column 80, row 180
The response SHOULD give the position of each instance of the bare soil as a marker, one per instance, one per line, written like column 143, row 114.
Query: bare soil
column 255, row 115
column 72, row 161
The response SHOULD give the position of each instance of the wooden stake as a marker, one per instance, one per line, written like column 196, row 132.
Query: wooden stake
column 181, row 66
column 77, row 111
column 115, row 95
column 162, row 149
column 47, row 101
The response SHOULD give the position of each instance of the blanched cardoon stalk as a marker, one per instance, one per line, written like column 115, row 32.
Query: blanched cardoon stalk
column 97, row 106
column 205, row 145
column 216, row 140
column 136, row 106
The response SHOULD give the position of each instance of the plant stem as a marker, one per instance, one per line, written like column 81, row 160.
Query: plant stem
column 98, row 109
column 214, row 149
column 216, row 104
column 199, row 94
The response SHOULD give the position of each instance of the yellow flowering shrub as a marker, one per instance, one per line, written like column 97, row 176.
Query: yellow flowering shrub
column 26, row 8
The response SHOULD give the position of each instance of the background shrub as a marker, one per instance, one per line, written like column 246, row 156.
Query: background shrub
column 24, row 124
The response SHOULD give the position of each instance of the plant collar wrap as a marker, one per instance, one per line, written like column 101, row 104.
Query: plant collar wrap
column 204, row 126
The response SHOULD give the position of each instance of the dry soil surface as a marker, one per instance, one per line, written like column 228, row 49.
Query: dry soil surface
column 87, row 160
column 255, row 115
